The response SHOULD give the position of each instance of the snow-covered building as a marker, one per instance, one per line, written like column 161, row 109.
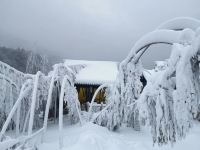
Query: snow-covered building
column 90, row 75
column 160, row 65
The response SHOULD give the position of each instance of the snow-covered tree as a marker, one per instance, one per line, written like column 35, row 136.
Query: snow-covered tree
column 26, row 113
column 37, row 62
column 73, row 104
column 128, row 86
column 171, row 99
column 10, row 84
column 131, row 88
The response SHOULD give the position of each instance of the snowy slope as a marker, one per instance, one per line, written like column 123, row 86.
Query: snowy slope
column 93, row 137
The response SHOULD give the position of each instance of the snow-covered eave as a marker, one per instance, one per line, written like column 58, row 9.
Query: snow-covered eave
column 92, row 82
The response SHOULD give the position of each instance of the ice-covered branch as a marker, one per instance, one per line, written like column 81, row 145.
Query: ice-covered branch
column 180, row 23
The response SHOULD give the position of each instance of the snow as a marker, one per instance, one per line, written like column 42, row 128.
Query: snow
column 94, row 137
column 168, row 103
column 95, row 72
column 8, row 143
column 148, row 73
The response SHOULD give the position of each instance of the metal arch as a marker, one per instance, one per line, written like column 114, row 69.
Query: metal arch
column 143, row 49
column 175, row 24
column 105, row 85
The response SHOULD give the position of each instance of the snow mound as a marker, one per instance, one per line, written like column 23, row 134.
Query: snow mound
column 94, row 137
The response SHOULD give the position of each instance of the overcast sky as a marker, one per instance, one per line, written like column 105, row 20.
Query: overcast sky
column 88, row 29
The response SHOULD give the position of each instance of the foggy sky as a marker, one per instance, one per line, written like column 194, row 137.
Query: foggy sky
column 88, row 29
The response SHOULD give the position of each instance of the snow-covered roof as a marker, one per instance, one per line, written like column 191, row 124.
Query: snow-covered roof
column 160, row 63
column 95, row 72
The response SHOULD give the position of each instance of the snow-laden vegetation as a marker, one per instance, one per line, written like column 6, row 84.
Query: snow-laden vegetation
column 168, row 103
column 171, row 99
column 35, row 89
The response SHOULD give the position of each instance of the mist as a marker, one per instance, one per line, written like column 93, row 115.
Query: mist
column 89, row 29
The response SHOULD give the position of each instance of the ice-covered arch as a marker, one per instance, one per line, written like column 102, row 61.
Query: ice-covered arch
column 178, row 30
column 162, row 36
column 168, row 32
column 128, row 85
column 130, row 69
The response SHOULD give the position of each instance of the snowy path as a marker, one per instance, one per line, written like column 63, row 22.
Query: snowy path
column 93, row 137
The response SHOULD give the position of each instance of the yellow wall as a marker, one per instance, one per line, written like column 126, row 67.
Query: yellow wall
column 82, row 96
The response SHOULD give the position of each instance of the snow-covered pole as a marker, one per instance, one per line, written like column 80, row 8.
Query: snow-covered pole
column 26, row 120
column 18, row 117
column 34, row 97
column 79, row 114
column 22, row 94
column 93, row 98
column 61, row 112
column 18, row 111
column 49, row 99
column 18, row 120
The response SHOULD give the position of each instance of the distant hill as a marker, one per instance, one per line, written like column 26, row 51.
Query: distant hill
column 19, row 58
column 16, row 58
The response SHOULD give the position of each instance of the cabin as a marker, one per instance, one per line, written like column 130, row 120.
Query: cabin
column 90, row 76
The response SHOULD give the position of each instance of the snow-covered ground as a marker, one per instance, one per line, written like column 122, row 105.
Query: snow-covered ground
column 94, row 137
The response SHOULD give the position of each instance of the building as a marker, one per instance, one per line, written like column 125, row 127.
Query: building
column 91, row 75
